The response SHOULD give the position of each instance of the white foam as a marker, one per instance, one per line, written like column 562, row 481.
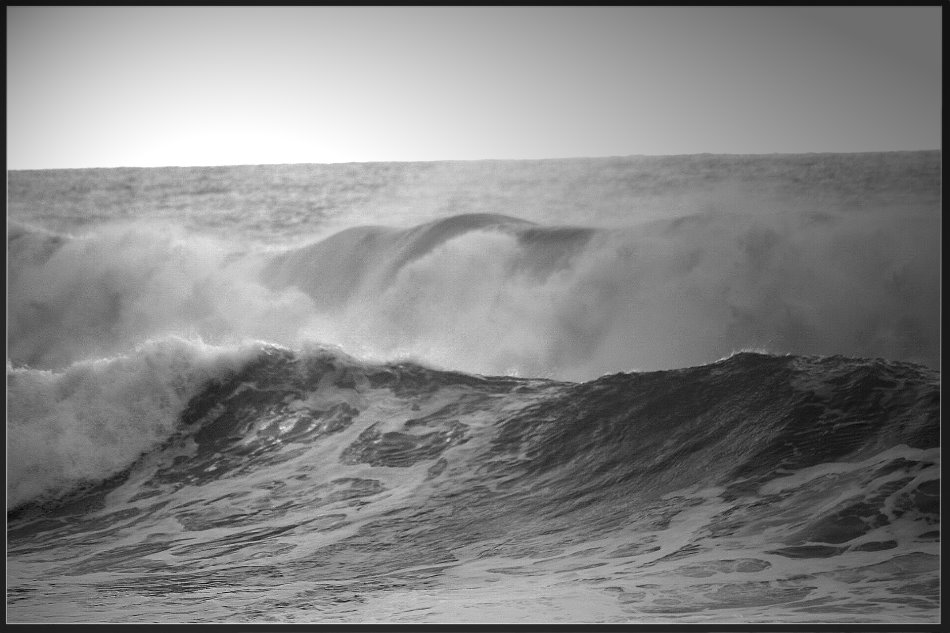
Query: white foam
column 96, row 417
column 105, row 292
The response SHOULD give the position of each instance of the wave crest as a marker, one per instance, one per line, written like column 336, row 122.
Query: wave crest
column 95, row 418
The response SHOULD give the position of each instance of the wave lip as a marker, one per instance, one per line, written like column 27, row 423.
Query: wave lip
column 368, row 258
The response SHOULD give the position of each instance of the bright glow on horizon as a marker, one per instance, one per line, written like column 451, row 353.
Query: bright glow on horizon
column 154, row 86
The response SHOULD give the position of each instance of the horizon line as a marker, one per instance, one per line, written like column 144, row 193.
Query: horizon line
column 484, row 160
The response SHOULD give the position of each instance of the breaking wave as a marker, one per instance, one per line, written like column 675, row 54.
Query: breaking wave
column 313, row 466
column 493, row 294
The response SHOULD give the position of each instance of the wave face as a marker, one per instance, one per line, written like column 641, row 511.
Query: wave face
column 463, row 392
column 308, row 485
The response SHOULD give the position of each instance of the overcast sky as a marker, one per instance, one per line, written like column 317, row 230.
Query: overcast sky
column 151, row 86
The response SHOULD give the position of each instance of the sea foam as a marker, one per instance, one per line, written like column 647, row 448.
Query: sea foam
column 93, row 419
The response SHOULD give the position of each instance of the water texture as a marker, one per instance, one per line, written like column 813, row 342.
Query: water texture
column 647, row 389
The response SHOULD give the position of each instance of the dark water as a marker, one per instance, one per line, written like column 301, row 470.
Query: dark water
column 310, row 486
column 483, row 392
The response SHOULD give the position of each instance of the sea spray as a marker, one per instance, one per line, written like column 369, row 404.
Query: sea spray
column 100, row 293
column 577, row 302
column 93, row 419
column 569, row 302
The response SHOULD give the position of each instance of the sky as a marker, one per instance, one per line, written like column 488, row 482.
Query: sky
column 159, row 86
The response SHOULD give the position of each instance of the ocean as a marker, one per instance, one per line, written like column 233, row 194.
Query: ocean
column 682, row 389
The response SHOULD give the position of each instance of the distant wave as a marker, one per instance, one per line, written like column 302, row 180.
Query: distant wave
column 494, row 294
column 369, row 259
column 575, row 301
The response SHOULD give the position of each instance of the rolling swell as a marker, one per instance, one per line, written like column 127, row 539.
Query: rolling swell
column 315, row 467
column 738, row 423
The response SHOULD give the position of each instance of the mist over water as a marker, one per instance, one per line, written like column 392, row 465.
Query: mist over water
column 644, row 264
